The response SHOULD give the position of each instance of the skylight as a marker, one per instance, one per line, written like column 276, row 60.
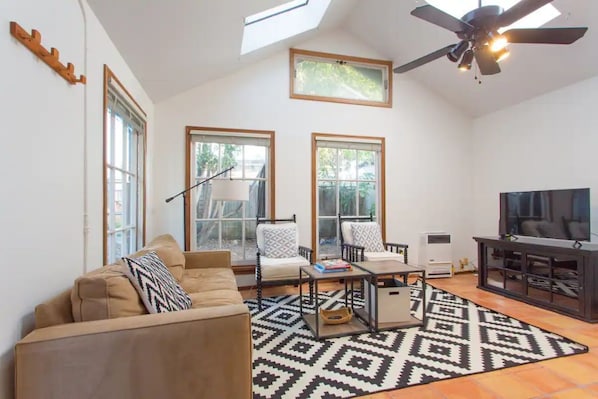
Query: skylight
column 281, row 22
column 286, row 7
column 534, row 20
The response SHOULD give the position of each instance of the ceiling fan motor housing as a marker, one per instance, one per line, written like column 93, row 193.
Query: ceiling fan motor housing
column 484, row 21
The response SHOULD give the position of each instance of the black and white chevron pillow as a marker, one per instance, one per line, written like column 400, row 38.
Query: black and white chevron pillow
column 367, row 235
column 156, row 286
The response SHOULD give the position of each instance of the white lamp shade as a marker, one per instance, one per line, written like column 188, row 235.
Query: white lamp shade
column 230, row 190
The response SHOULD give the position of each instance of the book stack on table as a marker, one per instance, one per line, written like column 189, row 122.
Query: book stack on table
column 332, row 265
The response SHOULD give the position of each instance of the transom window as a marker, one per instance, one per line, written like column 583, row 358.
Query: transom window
column 124, row 167
column 349, row 180
column 339, row 78
column 215, row 224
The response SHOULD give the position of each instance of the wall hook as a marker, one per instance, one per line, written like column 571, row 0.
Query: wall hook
column 33, row 42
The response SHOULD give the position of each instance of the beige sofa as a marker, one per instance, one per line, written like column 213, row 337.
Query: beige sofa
column 96, row 340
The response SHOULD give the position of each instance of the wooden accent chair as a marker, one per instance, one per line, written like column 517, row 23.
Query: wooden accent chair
column 279, row 255
column 361, row 240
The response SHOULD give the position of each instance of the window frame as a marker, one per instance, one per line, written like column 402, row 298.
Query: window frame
column 296, row 54
column 381, row 215
column 189, row 178
column 111, row 82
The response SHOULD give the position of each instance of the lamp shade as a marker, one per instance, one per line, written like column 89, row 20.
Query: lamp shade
column 230, row 190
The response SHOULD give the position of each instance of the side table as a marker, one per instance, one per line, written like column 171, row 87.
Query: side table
column 315, row 322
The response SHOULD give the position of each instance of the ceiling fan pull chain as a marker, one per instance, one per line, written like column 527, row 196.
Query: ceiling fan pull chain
column 475, row 74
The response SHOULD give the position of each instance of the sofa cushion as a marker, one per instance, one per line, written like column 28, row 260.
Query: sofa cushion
column 282, row 269
column 208, row 279
column 156, row 286
column 215, row 298
column 168, row 250
column 105, row 293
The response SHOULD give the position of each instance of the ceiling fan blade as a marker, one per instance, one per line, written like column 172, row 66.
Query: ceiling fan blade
column 519, row 10
column 545, row 35
column 442, row 19
column 424, row 60
column 486, row 62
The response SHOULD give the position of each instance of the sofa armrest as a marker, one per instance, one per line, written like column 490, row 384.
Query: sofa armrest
column 207, row 259
column 196, row 353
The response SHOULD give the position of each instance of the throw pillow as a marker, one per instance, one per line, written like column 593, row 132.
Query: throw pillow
column 280, row 242
column 156, row 286
column 367, row 235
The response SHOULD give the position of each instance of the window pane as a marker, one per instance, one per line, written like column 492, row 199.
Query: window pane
column 206, row 234
column 117, row 199
column 327, row 163
column 119, row 248
column 250, row 241
column 348, row 165
column 128, row 204
column 255, row 161
column 204, row 209
column 256, row 205
column 367, row 199
column 347, row 198
column 327, row 198
column 232, row 209
column 328, row 78
column 366, row 165
column 232, row 238
column 232, row 155
column 109, row 140
column 327, row 237
column 206, row 158
column 118, row 142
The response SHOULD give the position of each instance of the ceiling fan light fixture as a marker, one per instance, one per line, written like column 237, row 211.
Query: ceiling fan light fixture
column 465, row 64
column 458, row 51
column 498, row 43
column 501, row 54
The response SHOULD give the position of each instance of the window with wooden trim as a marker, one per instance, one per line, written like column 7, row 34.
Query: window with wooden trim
column 347, row 178
column 340, row 78
column 124, row 171
column 215, row 224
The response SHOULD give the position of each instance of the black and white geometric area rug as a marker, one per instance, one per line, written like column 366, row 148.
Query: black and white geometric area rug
column 459, row 338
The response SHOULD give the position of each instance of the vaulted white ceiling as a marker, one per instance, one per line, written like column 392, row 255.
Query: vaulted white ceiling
column 173, row 46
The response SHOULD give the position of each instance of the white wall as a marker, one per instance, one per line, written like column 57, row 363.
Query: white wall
column 548, row 142
column 428, row 145
column 51, row 133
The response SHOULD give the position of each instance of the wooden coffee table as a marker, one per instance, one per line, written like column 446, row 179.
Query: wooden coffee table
column 315, row 322
column 385, row 268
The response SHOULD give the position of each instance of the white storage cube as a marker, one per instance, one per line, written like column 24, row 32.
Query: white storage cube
column 394, row 300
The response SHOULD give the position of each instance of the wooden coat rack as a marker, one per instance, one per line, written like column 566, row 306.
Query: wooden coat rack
column 34, row 43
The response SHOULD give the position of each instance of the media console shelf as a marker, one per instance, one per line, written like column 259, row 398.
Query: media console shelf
column 547, row 273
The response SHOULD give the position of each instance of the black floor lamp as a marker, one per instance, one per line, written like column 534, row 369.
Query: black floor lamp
column 222, row 190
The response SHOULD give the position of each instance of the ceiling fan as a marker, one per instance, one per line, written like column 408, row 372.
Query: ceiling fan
column 478, row 31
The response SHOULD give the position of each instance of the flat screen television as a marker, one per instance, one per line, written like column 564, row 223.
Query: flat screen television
column 561, row 214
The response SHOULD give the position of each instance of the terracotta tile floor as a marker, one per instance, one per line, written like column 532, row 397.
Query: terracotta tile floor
column 574, row 377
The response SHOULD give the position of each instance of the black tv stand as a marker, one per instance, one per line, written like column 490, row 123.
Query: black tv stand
column 551, row 274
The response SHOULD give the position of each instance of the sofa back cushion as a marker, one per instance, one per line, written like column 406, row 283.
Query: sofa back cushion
column 168, row 250
column 105, row 293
